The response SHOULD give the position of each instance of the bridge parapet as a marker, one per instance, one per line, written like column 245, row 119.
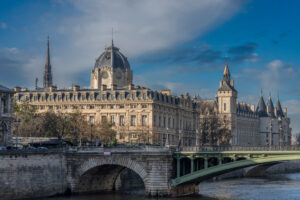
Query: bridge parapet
column 120, row 149
column 238, row 148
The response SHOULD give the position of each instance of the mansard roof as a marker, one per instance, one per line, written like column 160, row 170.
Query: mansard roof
column 5, row 89
column 261, row 108
column 113, row 58
column 279, row 112
column 270, row 107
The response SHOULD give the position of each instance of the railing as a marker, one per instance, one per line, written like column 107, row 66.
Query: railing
column 239, row 148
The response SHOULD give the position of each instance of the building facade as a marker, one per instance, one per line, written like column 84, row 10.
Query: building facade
column 6, row 116
column 139, row 114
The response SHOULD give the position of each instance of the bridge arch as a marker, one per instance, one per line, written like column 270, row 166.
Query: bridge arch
column 96, row 175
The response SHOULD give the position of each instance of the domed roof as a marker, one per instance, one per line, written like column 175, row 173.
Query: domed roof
column 112, row 57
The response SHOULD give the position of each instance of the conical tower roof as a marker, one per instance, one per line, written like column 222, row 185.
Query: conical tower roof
column 279, row 112
column 270, row 107
column 261, row 107
column 226, row 73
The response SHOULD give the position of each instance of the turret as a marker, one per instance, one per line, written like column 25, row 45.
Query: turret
column 278, row 109
column 227, row 95
column 270, row 107
column 261, row 107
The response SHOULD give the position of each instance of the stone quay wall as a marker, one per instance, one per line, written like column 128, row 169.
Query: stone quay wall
column 30, row 175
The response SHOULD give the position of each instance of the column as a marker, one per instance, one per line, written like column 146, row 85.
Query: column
column 192, row 164
column 205, row 162
column 220, row 160
column 178, row 166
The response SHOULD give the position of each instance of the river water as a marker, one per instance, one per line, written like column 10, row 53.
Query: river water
column 281, row 187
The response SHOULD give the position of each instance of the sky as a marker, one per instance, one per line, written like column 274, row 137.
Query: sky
column 174, row 44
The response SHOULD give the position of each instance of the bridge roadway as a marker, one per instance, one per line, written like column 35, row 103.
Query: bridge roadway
column 164, row 171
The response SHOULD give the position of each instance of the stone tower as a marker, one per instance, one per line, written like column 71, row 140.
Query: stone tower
column 112, row 70
column 227, row 95
column 47, row 81
column 227, row 102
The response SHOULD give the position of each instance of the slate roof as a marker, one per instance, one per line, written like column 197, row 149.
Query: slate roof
column 5, row 89
column 112, row 57
column 261, row 108
column 270, row 108
column 226, row 87
column 279, row 112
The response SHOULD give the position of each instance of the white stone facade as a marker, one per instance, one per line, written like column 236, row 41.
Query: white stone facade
column 143, row 115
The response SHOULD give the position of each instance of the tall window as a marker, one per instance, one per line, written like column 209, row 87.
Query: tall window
column 92, row 119
column 133, row 120
column 144, row 120
column 159, row 121
column 224, row 106
column 122, row 120
column 154, row 120
column 164, row 122
column 112, row 119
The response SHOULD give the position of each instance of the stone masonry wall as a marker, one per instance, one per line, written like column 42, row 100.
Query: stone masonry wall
column 28, row 175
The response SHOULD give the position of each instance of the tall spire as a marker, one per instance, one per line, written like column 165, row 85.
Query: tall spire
column 226, row 74
column 47, row 73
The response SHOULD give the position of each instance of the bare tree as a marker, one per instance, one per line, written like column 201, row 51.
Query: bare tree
column 297, row 138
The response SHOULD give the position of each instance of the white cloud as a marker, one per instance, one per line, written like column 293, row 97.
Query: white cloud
column 140, row 27
column 276, row 75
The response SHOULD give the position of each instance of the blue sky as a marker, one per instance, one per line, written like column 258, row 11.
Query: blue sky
column 179, row 45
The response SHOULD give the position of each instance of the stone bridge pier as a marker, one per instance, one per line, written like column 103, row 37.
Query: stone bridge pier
column 95, row 171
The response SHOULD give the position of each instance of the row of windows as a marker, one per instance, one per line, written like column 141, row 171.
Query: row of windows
column 133, row 121
column 99, row 96
column 169, row 122
column 59, row 107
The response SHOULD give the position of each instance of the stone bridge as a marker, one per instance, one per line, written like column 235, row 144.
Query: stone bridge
column 92, row 171
column 162, row 171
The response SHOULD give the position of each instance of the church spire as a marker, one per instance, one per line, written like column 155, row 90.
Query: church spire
column 47, row 73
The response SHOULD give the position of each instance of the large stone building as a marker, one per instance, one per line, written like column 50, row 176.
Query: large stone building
column 6, row 115
column 140, row 114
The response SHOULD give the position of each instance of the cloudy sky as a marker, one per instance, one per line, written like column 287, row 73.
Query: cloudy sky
column 175, row 44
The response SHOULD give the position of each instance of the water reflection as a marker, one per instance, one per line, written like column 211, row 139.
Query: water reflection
column 282, row 187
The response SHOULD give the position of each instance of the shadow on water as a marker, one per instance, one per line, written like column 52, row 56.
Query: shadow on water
column 132, row 195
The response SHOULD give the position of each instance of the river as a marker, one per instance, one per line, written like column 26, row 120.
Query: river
column 281, row 187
